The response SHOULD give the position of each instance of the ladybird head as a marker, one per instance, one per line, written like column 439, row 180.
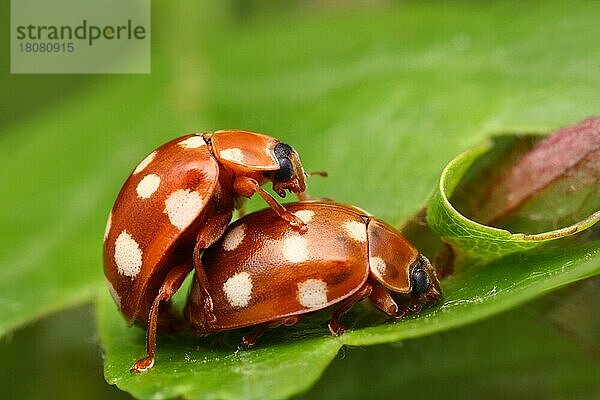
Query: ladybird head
column 290, row 175
column 396, row 264
column 424, row 283
column 259, row 156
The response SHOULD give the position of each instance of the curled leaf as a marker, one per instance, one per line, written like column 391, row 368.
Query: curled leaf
column 519, row 183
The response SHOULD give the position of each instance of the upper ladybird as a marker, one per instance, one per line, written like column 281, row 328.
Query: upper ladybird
column 178, row 201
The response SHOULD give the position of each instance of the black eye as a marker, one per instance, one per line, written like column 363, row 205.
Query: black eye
column 285, row 171
column 282, row 150
column 419, row 281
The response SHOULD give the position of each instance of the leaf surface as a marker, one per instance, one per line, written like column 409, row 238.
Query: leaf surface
column 380, row 97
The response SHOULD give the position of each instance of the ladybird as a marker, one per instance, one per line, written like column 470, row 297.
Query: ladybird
column 177, row 202
column 263, row 272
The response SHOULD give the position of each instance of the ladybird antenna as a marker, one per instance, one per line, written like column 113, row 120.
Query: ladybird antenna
column 318, row 173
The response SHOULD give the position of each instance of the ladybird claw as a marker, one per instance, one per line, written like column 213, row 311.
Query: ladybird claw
column 402, row 312
column 209, row 315
column 142, row 365
column 295, row 222
column 248, row 341
column 417, row 307
column 336, row 328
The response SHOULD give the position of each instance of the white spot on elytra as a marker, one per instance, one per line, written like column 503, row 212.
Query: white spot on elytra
column 144, row 162
column 304, row 215
column 378, row 264
column 235, row 155
column 238, row 289
column 312, row 293
column 108, row 225
column 114, row 294
column 295, row 249
column 356, row 230
column 182, row 206
column 193, row 142
column 128, row 255
column 147, row 186
column 234, row 237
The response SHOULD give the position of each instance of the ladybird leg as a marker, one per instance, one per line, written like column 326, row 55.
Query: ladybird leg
column 408, row 306
column 382, row 300
column 403, row 311
column 207, row 303
column 245, row 186
column 209, row 233
column 252, row 337
column 335, row 326
column 170, row 285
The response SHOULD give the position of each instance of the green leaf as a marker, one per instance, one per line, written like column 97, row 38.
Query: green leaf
column 477, row 241
column 380, row 97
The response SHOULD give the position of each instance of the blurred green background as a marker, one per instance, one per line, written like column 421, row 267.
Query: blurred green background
column 382, row 94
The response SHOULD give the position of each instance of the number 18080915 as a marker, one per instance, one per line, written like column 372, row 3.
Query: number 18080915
column 44, row 47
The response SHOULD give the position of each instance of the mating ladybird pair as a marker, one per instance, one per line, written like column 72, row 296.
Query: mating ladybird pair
column 269, row 267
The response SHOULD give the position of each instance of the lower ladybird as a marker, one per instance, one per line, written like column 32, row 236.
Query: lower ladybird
column 262, row 272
